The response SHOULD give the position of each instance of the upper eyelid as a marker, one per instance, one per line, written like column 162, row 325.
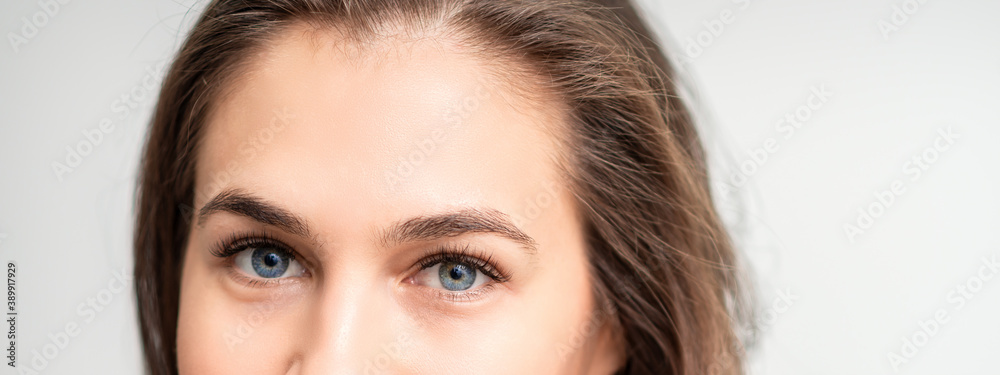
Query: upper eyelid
column 437, row 255
column 225, row 246
column 261, row 235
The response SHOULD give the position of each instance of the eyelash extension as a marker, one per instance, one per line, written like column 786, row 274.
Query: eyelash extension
column 465, row 254
column 236, row 242
column 239, row 241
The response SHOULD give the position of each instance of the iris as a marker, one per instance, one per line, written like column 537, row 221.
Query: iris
column 269, row 262
column 456, row 276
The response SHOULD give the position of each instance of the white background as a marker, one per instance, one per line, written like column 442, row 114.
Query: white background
column 831, row 304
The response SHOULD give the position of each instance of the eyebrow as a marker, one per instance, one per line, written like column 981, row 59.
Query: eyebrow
column 241, row 203
column 455, row 223
column 421, row 228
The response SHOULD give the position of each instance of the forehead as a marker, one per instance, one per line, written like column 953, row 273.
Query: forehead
column 409, row 125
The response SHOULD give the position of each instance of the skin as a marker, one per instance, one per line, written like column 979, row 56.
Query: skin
column 354, row 142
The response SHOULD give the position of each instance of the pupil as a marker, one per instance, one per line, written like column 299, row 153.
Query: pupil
column 456, row 273
column 272, row 260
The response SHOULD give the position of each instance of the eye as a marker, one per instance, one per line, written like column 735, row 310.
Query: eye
column 268, row 262
column 455, row 276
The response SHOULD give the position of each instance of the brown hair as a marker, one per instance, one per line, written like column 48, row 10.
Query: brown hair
column 659, row 254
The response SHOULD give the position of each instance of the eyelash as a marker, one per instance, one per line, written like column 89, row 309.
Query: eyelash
column 479, row 259
column 237, row 242
column 483, row 262
column 228, row 247
column 465, row 254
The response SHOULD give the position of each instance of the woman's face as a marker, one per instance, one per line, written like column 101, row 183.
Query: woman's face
column 391, row 209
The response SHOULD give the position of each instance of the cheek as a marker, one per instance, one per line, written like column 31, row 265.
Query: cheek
column 545, row 329
column 201, row 324
column 218, row 335
column 555, row 321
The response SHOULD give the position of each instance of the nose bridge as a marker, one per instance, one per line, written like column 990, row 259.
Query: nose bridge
column 346, row 327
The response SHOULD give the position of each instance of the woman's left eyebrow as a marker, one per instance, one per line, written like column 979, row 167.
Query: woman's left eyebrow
column 454, row 223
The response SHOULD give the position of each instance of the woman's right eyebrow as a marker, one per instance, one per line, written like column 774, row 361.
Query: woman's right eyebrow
column 241, row 203
column 436, row 226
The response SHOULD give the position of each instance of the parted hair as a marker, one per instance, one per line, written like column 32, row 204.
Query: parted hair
column 659, row 254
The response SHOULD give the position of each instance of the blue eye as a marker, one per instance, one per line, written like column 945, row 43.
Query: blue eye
column 452, row 275
column 456, row 276
column 268, row 262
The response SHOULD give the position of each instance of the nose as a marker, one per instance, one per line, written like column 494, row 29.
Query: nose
column 351, row 329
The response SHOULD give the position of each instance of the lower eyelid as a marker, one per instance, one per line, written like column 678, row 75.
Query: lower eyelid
column 467, row 296
column 249, row 281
